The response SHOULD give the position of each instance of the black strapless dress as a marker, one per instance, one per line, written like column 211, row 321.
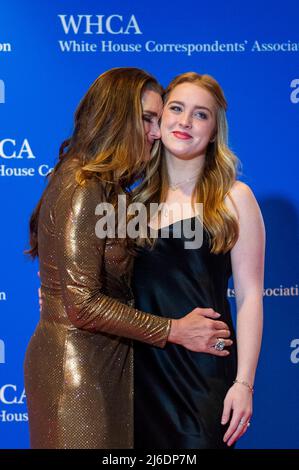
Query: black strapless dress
column 179, row 393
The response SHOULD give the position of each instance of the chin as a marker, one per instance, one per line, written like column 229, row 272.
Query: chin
column 180, row 153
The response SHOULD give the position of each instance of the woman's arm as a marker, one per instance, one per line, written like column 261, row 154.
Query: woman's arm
column 247, row 258
column 80, row 260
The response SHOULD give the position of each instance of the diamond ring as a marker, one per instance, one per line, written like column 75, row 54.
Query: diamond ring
column 220, row 344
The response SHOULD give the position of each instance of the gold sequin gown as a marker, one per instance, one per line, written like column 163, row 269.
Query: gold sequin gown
column 79, row 361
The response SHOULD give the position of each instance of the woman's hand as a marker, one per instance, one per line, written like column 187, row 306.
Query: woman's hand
column 237, row 408
column 199, row 331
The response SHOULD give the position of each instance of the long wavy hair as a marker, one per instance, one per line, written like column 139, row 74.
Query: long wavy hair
column 216, row 178
column 108, row 138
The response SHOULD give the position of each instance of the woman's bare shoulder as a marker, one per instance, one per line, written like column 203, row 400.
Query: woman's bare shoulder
column 240, row 198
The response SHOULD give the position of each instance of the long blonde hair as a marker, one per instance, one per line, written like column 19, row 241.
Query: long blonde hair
column 217, row 177
column 108, row 138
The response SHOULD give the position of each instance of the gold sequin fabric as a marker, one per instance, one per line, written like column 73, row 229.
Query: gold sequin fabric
column 79, row 361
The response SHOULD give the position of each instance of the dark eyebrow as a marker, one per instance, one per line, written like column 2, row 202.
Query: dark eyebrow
column 152, row 113
column 196, row 107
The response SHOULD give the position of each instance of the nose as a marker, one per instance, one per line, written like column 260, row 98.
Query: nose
column 155, row 131
column 185, row 120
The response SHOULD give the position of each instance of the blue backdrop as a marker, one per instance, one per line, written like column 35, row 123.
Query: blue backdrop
column 50, row 52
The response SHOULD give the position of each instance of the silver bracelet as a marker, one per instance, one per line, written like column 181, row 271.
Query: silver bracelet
column 244, row 383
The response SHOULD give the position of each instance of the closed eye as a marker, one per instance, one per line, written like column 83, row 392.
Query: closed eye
column 147, row 118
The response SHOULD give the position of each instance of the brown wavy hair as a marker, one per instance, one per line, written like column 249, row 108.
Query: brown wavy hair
column 216, row 179
column 108, row 138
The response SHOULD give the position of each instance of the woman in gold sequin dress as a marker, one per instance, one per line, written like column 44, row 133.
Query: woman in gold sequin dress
column 79, row 362
column 78, row 365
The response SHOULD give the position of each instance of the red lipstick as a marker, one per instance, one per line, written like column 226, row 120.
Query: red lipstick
column 182, row 135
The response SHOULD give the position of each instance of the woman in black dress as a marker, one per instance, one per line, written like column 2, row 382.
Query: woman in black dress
column 186, row 399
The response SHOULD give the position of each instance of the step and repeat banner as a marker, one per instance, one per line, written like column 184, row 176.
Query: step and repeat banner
column 50, row 53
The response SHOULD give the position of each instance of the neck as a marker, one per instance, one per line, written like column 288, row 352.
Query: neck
column 179, row 169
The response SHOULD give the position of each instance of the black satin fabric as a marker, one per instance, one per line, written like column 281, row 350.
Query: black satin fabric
column 179, row 393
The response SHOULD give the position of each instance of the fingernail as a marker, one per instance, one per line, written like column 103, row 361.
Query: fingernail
column 218, row 314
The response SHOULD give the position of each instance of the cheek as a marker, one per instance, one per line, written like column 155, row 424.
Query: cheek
column 146, row 127
column 165, row 124
column 162, row 129
column 166, row 120
column 205, row 132
column 164, row 136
